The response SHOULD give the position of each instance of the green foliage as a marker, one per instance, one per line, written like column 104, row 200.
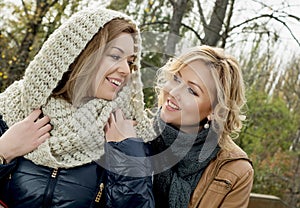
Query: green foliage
column 119, row 5
column 266, row 137
column 24, row 31
column 269, row 122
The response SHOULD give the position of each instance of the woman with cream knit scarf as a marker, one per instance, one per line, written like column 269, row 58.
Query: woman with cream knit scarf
column 87, row 69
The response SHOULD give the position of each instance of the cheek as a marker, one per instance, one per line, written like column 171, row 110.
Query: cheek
column 196, row 111
column 204, row 109
column 167, row 88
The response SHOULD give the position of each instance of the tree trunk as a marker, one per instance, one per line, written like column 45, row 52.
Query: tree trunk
column 213, row 29
column 179, row 8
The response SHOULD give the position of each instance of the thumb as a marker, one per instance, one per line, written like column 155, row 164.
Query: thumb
column 134, row 122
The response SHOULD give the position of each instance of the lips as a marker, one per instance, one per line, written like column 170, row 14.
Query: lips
column 171, row 105
column 114, row 81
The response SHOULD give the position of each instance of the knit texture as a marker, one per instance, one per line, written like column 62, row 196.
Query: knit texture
column 77, row 137
column 174, row 186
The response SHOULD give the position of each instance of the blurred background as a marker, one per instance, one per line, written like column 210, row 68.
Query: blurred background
column 263, row 34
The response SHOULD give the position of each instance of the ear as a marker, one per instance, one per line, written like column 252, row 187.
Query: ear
column 210, row 117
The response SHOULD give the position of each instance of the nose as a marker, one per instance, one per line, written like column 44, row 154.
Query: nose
column 176, row 91
column 124, row 67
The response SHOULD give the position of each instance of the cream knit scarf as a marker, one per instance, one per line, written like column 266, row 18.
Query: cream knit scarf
column 77, row 137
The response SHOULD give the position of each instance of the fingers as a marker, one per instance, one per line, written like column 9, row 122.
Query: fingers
column 34, row 115
column 107, row 126
column 44, row 129
column 42, row 122
column 112, row 119
column 42, row 139
column 134, row 122
column 119, row 115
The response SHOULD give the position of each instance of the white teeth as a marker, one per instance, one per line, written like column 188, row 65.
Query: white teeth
column 173, row 105
column 115, row 82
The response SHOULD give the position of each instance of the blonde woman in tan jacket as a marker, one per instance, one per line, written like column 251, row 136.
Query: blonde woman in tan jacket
column 196, row 163
column 201, row 94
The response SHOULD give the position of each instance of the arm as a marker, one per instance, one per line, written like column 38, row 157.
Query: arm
column 239, row 195
column 24, row 136
column 129, row 180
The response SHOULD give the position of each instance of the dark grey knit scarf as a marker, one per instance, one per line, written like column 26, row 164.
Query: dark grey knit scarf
column 173, row 187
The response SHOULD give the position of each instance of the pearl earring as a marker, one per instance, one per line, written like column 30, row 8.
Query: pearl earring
column 206, row 126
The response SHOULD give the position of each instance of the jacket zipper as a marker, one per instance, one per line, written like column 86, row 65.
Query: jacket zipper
column 99, row 194
column 227, row 183
column 50, row 188
column 212, row 178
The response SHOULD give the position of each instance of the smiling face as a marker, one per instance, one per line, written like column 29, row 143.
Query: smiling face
column 187, row 97
column 114, row 67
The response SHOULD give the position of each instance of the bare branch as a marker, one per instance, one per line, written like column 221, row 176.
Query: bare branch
column 13, row 38
column 52, row 3
column 227, row 25
column 201, row 14
column 271, row 16
column 182, row 24
column 172, row 2
column 25, row 9
column 194, row 31
column 294, row 17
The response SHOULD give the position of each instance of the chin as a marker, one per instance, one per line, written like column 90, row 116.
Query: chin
column 164, row 116
column 108, row 96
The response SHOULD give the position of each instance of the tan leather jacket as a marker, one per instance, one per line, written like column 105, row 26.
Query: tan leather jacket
column 226, row 182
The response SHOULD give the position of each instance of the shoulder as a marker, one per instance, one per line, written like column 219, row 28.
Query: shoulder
column 235, row 161
column 232, row 152
column 131, row 146
column 239, row 168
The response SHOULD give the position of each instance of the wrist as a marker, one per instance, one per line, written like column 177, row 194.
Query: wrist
column 6, row 156
column 2, row 160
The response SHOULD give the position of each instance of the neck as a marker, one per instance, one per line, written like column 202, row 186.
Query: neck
column 190, row 129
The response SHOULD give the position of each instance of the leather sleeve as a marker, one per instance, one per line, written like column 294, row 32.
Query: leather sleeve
column 129, row 180
column 239, row 195
column 7, row 169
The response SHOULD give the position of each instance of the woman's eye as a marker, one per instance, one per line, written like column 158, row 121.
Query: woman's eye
column 176, row 78
column 130, row 63
column 115, row 57
column 192, row 91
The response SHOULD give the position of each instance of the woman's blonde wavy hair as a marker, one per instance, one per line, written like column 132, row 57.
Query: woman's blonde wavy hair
column 229, row 98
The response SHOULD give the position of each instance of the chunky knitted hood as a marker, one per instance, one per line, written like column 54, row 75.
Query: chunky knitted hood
column 61, row 49
column 77, row 137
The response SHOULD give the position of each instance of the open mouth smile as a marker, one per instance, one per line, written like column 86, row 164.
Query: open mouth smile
column 116, row 82
column 171, row 105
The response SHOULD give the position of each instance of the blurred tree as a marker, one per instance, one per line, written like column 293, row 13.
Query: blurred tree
column 288, row 88
column 272, row 133
column 267, row 137
column 23, row 35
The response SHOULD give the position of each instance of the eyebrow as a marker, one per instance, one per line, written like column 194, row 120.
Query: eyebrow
column 193, row 83
column 118, row 49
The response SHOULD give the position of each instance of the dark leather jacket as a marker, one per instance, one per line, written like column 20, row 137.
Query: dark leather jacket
column 25, row 184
